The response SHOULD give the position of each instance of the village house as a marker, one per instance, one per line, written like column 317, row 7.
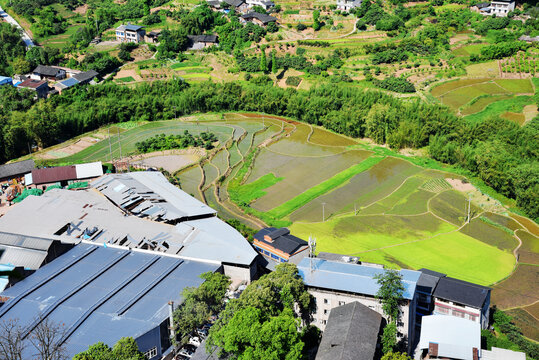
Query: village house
column 347, row 5
column 42, row 72
column 130, row 33
column 333, row 284
column 199, row 42
column 265, row 4
column 278, row 245
column 483, row 8
column 40, row 87
column 500, row 8
column 462, row 299
column 86, row 77
column 257, row 18
column 152, row 37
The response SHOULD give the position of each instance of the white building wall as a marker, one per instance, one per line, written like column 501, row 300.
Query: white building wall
column 327, row 300
column 501, row 8
column 444, row 307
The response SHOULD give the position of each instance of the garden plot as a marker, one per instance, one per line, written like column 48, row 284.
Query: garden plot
column 490, row 234
column 451, row 206
column 523, row 318
column 529, row 250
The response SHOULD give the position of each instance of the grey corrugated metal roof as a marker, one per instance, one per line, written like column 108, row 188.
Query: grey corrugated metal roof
column 456, row 337
column 262, row 17
column 351, row 333
column 46, row 70
column 17, row 256
column 123, row 189
column 208, row 238
column 16, row 168
column 29, row 242
column 353, row 278
column 128, row 292
column 462, row 292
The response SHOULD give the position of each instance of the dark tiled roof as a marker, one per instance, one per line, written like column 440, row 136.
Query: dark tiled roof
column 482, row 5
column 351, row 333
column 203, row 38
column 32, row 84
column 85, row 76
column 129, row 27
column 428, row 280
column 16, row 168
column 262, row 17
column 461, row 292
column 282, row 240
column 46, row 70
column 235, row 3
column 54, row 174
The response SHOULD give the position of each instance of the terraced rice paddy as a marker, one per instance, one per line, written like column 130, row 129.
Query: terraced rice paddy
column 471, row 96
column 354, row 199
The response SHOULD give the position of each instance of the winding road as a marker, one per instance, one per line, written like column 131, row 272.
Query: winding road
column 25, row 37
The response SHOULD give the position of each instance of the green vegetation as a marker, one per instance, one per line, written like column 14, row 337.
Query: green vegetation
column 390, row 294
column 199, row 304
column 262, row 323
column 125, row 349
column 168, row 142
column 12, row 50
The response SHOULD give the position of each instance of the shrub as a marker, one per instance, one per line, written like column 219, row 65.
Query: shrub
column 293, row 80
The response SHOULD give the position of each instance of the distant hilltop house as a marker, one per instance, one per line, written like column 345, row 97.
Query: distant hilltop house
column 199, row 42
column 130, row 33
column 39, row 86
column 500, row 8
column 78, row 79
column 42, row 72
column 257, row 18
column 266, row 4
column 525, row 38
column 347, row 5
column 152, row 37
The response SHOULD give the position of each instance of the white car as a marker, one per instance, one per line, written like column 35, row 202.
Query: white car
column 195, row 340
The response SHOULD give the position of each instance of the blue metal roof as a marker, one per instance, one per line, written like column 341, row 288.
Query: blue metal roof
column 102, row 294
column 69, row 82
column 353, row 278
column 5, row 80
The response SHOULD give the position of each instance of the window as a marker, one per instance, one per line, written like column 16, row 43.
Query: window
column 341, row 303
column 326, row 301
column 151, row 353
column 324, row 322
column 273, row 256
column 325, row 311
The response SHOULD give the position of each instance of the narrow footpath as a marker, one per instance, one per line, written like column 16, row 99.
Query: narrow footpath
column 25, row 37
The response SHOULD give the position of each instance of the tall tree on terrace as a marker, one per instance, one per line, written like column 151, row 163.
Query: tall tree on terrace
column 390, row 294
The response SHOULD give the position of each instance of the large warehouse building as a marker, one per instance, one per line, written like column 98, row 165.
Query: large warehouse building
column 139, row 210
column 103, row 293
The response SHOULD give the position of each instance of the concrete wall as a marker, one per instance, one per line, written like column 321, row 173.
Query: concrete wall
column 444, row 307
column 246, row 274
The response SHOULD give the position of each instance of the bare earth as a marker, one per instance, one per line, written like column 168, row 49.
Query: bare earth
column 170, row 162
column 71, row 149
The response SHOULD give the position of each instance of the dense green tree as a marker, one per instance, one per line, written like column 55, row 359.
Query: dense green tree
column 390, row 295
column 125, row 349
column 262, row 323
column 396, row 356
column 11, row 47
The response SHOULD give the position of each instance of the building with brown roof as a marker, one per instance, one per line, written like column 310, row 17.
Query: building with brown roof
column 39, row 86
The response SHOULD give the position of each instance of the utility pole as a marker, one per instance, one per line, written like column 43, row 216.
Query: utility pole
column 110, row 146
column 355, row 209
column 469, row 207
column 323, row 212
column 119, row 143
column 175, row 112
